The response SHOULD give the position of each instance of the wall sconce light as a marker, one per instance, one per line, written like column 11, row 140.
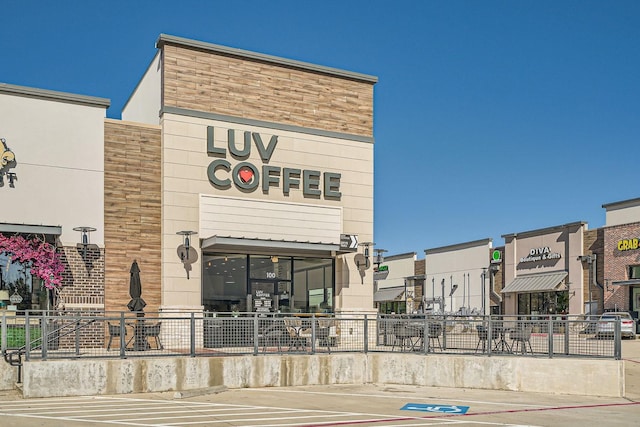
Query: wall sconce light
column 186, row 242
column 362, row 261
column 84, row 238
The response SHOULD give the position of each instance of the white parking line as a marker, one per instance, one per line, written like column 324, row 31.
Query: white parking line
column 399, row 397
column 155, row 413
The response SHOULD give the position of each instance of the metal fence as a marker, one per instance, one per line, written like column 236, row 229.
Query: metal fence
column 53, row 335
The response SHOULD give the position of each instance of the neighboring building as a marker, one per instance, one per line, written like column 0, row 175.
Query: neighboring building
column 52, row 181
column 395, row 290
column 621, row 260
column 543, row 271
column 456, row 278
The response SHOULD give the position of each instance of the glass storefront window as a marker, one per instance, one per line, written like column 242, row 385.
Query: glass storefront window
column 392, row 307
column 267, row 283
column 270, row 267
column 16, row 278
column 224, row 283
column 543, row 303
column 313, row 285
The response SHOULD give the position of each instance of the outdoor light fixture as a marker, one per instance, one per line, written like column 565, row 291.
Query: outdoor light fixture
column 186, row 234
column 379, row 258
column 84, row 238
column 366, row 255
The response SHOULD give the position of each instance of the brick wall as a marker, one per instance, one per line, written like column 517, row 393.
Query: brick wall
column 616, row 264
column 132, row 227
column 213, row 82
column 83, row 278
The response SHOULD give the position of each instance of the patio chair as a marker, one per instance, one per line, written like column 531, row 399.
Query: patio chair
column 483, row 337
column 272, row 333
column 114, row 331
column 404, row 334
column 434, row 331
column 323, row 332
column 153, row 331
column 297, row 335
column 521, row 337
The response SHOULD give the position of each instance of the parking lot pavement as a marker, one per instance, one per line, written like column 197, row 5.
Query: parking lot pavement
column 631, row 356
column 326, row 406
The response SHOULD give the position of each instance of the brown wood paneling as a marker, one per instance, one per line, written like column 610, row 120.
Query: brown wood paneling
column 248, row 88
column 132, row 184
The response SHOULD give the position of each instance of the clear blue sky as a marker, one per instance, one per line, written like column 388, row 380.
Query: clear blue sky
column 491, row 117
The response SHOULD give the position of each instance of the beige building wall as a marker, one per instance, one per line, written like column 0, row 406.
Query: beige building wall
column 144, row 104
column 400, row 266
column 623, row 212
column 460, row 264
column 185, row 181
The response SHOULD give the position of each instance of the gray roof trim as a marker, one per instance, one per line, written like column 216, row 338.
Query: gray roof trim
column 542, row 282
column 265, row 124
column 398, row 256
column 54, row 95
column 388, row 294
column 281, row 247
column 165, row 38
column 622, row 204
column 458, row 246
column 31, row 229
column 545, row 230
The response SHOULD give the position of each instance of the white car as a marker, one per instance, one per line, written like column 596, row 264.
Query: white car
column 606, row 325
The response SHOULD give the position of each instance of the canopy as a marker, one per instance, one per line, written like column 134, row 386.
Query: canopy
column 388, row 294
column 542, row 282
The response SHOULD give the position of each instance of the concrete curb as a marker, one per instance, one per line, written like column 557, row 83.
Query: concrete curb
column 199, row 392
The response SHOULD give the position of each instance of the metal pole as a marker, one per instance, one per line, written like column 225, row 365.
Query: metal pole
column 484, row 296
column 192, row 336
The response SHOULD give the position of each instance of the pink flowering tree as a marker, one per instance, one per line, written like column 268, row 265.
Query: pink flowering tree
column 41, row 256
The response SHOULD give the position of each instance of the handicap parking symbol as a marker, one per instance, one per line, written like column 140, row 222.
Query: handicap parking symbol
column 442, row 409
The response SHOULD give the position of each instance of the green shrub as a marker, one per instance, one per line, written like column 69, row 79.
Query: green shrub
column 16, row 336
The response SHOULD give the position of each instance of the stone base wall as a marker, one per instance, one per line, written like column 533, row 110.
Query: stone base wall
column 96, row 377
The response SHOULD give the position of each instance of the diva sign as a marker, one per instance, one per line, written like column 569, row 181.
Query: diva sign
column 232, row 168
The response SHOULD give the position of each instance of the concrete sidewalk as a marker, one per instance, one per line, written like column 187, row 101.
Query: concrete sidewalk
column 631, row 357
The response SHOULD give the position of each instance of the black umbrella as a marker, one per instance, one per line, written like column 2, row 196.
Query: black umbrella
column 135, row 289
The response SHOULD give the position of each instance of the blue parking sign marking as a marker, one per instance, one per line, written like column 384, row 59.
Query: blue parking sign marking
column 442, row 409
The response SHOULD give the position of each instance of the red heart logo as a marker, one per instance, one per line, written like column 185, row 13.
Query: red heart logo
column 245, row 174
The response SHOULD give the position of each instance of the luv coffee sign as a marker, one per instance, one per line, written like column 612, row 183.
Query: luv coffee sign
column 232, row 168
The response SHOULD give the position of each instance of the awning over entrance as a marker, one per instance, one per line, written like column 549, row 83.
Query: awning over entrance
column 543, row 282
column 31, row 229
column 388, row 294
column 267, row 246
column 626, row 282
